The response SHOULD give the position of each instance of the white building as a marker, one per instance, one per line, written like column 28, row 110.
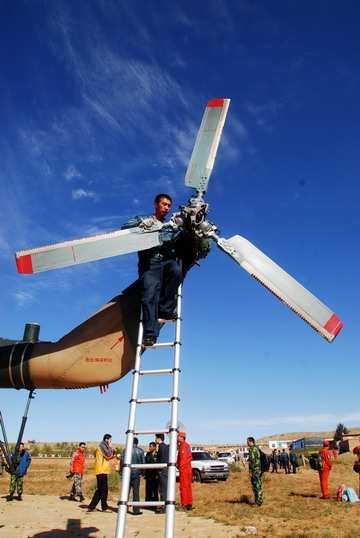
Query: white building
column 278, row 444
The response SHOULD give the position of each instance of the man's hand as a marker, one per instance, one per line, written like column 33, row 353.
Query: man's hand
column 147, row 224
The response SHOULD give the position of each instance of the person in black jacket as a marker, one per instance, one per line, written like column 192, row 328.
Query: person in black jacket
column 285, row 461
column 274, row 461
column 138, row 456
column 293, row 460
column 152, row 487
column 162, row 457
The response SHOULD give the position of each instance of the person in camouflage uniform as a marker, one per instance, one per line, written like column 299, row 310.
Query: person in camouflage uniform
column 21, row 462
column 255, row 470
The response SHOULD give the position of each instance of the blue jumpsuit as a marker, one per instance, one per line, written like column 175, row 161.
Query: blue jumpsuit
column 159, row 274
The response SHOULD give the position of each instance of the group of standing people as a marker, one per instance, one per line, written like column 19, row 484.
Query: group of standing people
column 156, row 479
column 284, row 460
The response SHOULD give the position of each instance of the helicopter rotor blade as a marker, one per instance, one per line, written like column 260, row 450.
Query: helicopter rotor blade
column 87, row 249
column 206, row 145
column 282, row 285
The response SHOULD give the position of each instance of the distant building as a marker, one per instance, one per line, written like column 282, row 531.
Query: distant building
column 277, row 443
column 349, row 442
column 242, row 451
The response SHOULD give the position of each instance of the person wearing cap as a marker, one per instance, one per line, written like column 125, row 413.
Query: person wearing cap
column 324, row 474
column 183, row 463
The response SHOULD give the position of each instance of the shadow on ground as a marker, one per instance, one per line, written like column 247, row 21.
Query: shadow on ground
column 73, row 528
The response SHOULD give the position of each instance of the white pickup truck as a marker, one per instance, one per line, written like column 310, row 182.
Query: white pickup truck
column 204, row 467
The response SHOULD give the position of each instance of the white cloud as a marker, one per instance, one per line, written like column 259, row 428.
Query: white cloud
column 82, row 193
column 23, row 298
column 71, row 173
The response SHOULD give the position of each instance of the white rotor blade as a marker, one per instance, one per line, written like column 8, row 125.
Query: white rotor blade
column 281, row 284
column 85, row 250
column 206, row 145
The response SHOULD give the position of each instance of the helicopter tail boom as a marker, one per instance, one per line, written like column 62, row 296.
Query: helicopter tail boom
column 99, row 351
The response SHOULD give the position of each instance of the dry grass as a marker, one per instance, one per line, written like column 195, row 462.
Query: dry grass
column 292, row 507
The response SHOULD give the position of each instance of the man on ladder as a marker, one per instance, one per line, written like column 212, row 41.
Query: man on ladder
column 159, row 272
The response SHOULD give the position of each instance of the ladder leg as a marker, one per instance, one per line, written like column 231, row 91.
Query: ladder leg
column 126, row 471
column 170, row 500
column 171, row 486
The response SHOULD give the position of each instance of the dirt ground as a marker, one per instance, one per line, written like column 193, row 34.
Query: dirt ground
column 50, row 516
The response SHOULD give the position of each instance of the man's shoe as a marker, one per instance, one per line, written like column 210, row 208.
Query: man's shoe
column 72, row 497
column 149, row 341
column 160, row 511
column 167, row 315
column 137, row 513
column 189, row 507
column 19, row 497
column 81, row 499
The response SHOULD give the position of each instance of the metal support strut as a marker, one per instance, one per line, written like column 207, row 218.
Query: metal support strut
column 5, row 445
column 170, row 502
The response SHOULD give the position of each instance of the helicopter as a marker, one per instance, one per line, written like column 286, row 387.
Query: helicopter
column 101, row 350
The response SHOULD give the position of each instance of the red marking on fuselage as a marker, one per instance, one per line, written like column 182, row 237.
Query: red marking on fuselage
column 215, row 102
column 118, row 340
column 24, row 264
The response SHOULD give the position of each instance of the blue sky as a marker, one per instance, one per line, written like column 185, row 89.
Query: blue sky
column 100, row 104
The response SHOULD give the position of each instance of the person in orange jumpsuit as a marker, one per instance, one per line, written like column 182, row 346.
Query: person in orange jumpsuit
column 324, row 474
column 184, row 459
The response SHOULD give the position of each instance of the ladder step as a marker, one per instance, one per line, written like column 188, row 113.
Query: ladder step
column 146, row 503
column 148, row 372
column 149, row 432
column 163, row 344
column 162, row 320
column 153, row 400
column 148, row 466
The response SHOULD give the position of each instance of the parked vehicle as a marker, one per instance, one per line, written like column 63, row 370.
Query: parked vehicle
column 226, row 456
column 204, row 467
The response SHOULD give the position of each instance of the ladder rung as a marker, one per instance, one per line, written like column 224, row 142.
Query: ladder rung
column 146, row 503
column 148, row 466
column 146, row 432
column 147, row 372
column 153, row 400
column 162, row 320
column 164, row 344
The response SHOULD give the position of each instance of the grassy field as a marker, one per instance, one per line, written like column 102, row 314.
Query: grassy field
column 292, row 506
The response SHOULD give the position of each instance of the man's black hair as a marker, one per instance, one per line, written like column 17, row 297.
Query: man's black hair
column 251, row 439
column 136, row 441
column 82, row 443
column 160, row 436
column 159, row 196
column 152, row 444
column 107, row 436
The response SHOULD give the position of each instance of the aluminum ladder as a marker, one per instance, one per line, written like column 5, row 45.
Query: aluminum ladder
column 172, row 431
